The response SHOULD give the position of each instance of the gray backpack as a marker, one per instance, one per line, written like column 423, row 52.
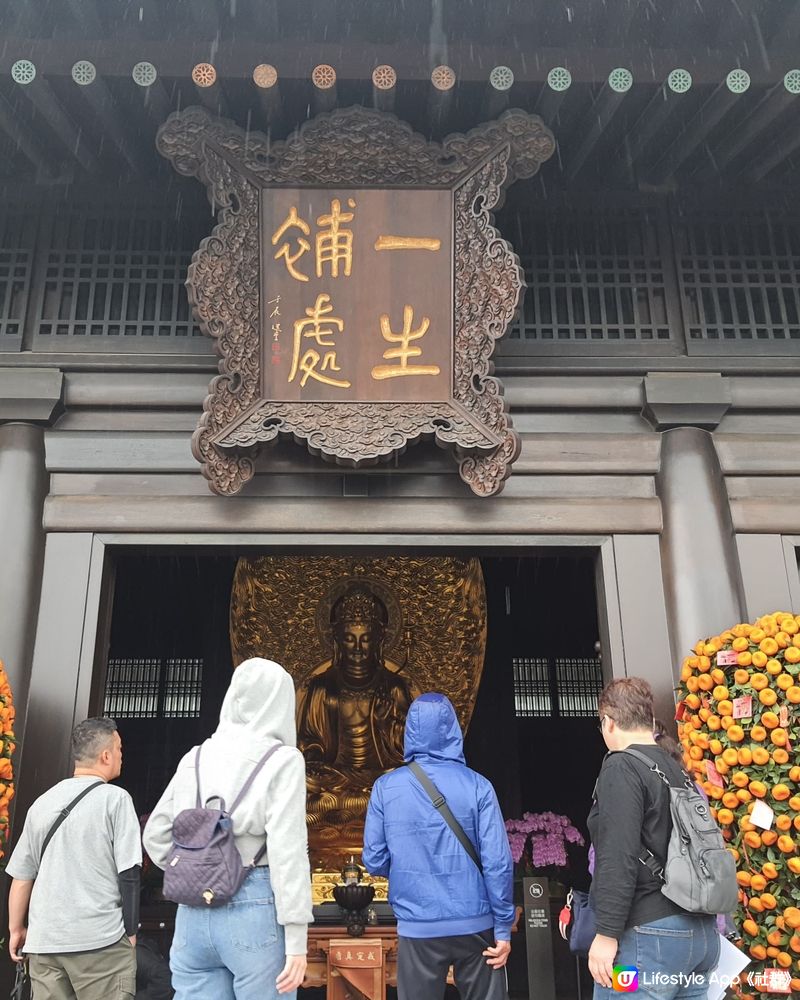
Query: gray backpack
column 204, row 866
column 699, row 873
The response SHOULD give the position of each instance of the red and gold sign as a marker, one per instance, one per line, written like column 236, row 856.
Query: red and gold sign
column 355, row 287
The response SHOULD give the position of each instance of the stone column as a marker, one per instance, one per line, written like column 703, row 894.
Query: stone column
column 699, row 560
column 28, row 400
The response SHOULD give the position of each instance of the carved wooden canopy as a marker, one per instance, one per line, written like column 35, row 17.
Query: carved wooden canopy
column 344, row 158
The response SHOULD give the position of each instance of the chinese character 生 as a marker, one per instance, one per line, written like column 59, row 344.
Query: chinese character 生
column 404, row 351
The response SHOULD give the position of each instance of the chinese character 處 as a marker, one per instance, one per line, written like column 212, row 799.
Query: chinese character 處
column 291, row 221
column 335, row 244
column 321, row 327
column 405, row 350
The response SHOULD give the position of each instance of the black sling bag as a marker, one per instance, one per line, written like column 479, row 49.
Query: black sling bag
column 440, row 803
column 64, row 813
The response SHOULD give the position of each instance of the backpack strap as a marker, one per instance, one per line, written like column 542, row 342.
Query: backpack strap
column 246, row 788
column 440, row 803
column 647, row 858
column 64, row 813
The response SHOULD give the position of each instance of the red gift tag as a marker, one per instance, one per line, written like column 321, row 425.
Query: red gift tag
column 680, row 711
column 713, row 774
column 743, row 707
column 784, row 716
column 727, row 658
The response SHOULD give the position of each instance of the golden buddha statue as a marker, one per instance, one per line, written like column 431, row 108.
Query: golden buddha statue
column 351, row 717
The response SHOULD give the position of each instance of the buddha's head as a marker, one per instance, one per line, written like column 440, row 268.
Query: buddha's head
column 359, row 619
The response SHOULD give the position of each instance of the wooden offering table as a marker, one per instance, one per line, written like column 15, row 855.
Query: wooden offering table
column 352, row 967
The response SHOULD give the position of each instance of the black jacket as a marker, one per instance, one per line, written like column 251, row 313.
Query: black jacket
column 630, row 812
column 153, row 979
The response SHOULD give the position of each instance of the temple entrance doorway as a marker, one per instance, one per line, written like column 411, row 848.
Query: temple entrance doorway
column 512, row 639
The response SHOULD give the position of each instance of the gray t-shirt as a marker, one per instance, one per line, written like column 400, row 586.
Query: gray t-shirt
column 76, row 903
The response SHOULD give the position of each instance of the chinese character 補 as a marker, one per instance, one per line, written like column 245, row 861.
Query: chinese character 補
column 291, row 221
column 334, row 244
column 405, row 350
column 320, row 327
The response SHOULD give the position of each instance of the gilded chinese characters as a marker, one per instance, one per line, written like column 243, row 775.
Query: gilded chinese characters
column 360, row 276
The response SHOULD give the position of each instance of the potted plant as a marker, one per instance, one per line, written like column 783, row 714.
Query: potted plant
column 539, row 844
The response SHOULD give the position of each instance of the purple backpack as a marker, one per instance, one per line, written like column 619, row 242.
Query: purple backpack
column 204, row 867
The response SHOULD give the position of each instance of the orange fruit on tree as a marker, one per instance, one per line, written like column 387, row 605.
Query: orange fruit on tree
column 777, row 939
column 793, row 694
column 772, row 952
column 758, row 789
column 715, row 747
column 767, row 696
column 750, row 927
column 791, row 654
column 724, row 817
column 759, row 681
column 730, row 801
column 769, row 646
column 718, row 676
column 758, row 883
column 745, row 755
column 780, row 792
column 720, row 693
column 784, row 960
column 768, row 901
column 790, row 626
column 793, row 864
column 744, row 796
column 743, row 878
column 740, row 779
column 741, row 677
column 758, row 951
column 757, row 633
column 778, row 737
column 692, row 701
column 769, row 871
column 756, row 905
column 769, row 719
column 785, row 681
column 791, row 916
column 783, row 822
column 703, row 663
column 735, row 734
column 759, row 659
column 769, row 837
column 787, row 846
column 774, row 667
column 760, row 755
column 794, row 801
column 704, row 682
column 794, row 942
column 794, row 774
column 752, row 839
column 796, row 822
column 704, row 714
column 725, row 717
column 730, row 756
column 794, row 984
column 714, row 723
column 780, row 756
column 740, row 644
column 744, row 659
column 734, row 853
column 759, row 734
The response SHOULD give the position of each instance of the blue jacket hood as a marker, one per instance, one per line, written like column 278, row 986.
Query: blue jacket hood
column 432, row 730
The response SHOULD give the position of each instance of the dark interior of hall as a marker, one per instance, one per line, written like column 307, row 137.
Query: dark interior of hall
column 533, row 732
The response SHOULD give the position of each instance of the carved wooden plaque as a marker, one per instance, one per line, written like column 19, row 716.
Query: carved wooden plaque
column 355, row 287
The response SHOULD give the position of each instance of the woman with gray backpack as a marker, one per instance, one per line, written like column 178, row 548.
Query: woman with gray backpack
column 230, row 834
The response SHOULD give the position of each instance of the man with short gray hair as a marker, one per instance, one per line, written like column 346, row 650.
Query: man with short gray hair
column 73, row 908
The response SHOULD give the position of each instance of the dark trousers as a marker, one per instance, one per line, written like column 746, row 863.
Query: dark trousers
column 422, row 965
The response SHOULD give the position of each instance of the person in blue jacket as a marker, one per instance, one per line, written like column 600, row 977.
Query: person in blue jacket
column 448, row 913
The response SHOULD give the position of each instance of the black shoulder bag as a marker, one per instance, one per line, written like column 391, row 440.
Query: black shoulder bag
column 440, row 803
column 22, row 982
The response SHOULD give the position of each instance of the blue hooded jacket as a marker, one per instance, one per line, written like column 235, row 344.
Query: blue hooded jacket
column 435, row 888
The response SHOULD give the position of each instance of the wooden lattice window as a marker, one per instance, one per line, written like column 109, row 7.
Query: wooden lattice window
column 740, row 281
column 151, row 688
column 117, row 283
column 596, row 283
column 556, row 687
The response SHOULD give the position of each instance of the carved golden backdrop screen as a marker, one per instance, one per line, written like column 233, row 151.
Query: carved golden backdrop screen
column 361, row 637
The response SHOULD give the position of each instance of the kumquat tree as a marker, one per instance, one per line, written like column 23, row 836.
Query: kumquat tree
column 7, row 747
column 739, row 723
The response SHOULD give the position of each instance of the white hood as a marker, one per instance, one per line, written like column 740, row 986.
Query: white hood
column 259, row 707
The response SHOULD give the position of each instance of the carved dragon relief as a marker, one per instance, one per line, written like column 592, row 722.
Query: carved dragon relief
column 360, row 147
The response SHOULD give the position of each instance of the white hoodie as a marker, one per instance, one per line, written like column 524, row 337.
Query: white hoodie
column 258, row 711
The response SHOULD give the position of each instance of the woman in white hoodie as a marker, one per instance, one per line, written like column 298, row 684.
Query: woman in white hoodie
column 255, row 946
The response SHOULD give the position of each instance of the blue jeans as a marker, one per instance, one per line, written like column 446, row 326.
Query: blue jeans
column 233, row 952
column 672, row 955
